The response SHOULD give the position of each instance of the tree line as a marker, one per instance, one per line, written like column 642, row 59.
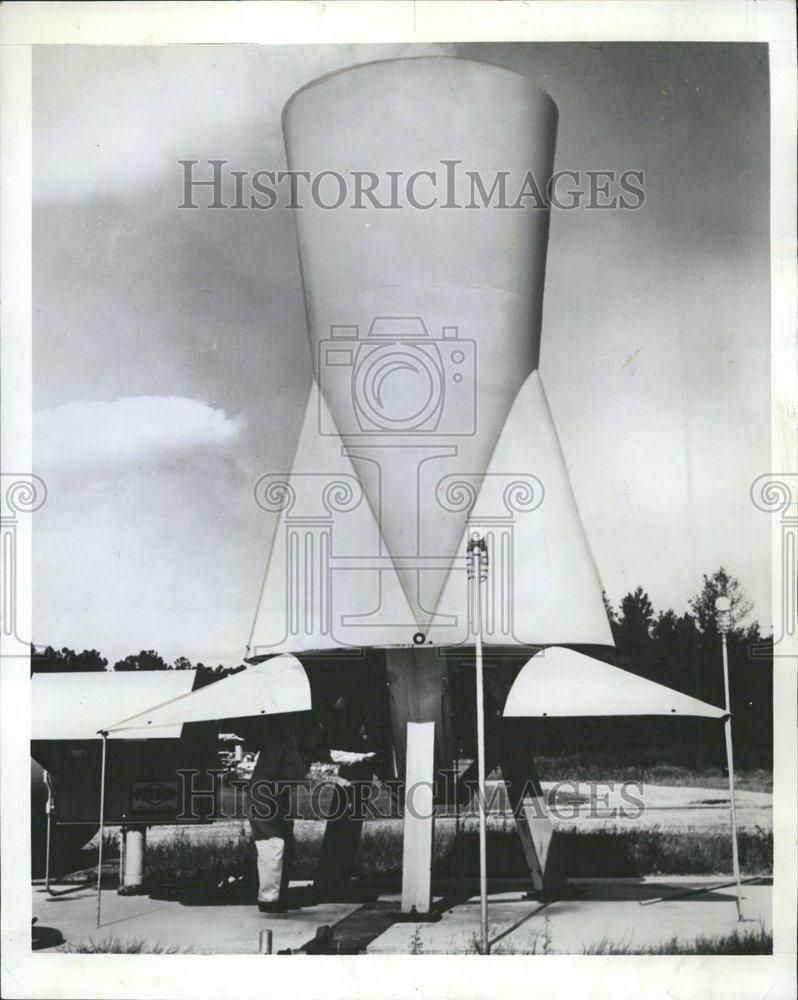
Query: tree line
column 682, row 651
column 60, row 661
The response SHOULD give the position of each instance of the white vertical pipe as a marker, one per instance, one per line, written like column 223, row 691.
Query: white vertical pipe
column 135, row 847
column 482, row 802
column 730, row 766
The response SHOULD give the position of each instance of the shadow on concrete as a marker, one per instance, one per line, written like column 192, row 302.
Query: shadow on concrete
column 45, row 937
column 244, row 892
column 631, row 890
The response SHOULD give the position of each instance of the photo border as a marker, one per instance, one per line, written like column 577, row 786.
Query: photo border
column 24, row 25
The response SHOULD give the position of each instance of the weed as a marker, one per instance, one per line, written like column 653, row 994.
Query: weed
column 737, row 942
column 119, row 946
column 605, row 853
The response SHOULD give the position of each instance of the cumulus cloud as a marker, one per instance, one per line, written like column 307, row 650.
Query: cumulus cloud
column 129, row 431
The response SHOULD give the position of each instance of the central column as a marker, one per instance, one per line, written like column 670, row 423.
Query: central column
column 418, row 693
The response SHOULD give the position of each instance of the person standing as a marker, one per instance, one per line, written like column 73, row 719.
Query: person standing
column 342, row 833
column 287, row 746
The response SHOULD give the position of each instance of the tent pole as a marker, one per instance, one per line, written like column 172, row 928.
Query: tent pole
column 730, row 768
column 478, row 551
column 102, row 826
column 49, row 808
column 456, row 847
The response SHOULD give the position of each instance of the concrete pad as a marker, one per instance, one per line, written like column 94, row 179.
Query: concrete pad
column 212, row 928
column 630, row 913
column 457, row 932
column 607, row 911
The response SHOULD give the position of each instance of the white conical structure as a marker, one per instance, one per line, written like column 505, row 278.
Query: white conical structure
column 330, row 581
column 542, row 585
column 318, row 591
column 425, row 335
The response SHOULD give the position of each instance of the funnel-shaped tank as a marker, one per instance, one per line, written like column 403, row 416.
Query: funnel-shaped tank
column 423, row 286
column 424, row 295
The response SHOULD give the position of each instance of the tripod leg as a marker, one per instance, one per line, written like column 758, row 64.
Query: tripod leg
column 532, row 821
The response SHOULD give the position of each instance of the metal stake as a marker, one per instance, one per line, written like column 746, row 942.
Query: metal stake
column 478, row 571
column 49, row 809
column 730, row 766
column 723, row 608
column 456, row 846
column 122, row 855
column 102, row 828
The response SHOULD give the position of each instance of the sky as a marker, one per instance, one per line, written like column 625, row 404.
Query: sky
column 171, row 358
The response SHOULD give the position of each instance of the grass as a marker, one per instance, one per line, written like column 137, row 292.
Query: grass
column 183, row 860
column 601, row 853
column 537, row 943
column 653, row 851
column 745, row 942
column 120, row 946
column 571, row 768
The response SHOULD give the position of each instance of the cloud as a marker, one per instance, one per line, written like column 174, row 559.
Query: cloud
column 129, row 431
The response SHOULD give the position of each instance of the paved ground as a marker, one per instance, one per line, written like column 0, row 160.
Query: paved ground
column 607, row 910
column 677, row 807
column 208, row 924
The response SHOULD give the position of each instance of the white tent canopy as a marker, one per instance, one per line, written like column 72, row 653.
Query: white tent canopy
column 277, row 685
column 74, row 706
column 563, row 682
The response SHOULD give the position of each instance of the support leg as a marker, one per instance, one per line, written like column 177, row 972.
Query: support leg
column 527, row 801
column 417, row 688
column 418, row 820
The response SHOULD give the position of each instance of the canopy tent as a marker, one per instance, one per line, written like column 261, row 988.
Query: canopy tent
column 75, row 706
column 563, row 682
column 268, row 688
column 560, row 682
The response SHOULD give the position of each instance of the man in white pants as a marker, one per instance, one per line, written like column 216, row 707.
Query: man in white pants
column 289, row 744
